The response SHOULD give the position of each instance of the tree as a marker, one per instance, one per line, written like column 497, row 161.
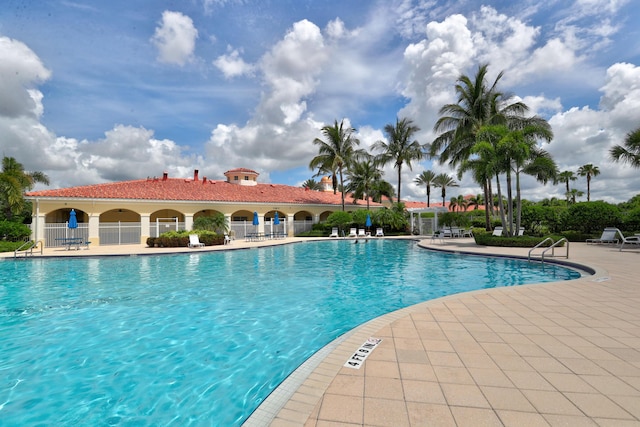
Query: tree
column 478, row 105
column 443, row 181
column 426, row 178
column 216, row 222
column 14, row 182
column 336, row 153
column 362, row 178
column 630, row 152
column 400, row 149
column 566, row 176
column 573, row 194
column 382, row 189
column 589, row 171
column 312, row 184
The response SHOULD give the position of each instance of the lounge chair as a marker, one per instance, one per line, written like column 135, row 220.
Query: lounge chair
column 521, row 231
column 194, row 241
column 379, row 232
column 439, row 235
column 227, row 239
column 497, row 231
column 361, row 232
column 353, row 232
column 334, row 232
column 632, row 240
column 608, row 236
column 467, row 233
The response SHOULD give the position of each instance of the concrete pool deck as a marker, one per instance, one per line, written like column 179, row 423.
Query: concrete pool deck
column 556, row 354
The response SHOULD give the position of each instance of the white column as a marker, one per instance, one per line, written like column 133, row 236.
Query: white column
column 94, row 229
column 145, row 227
column 188, row 221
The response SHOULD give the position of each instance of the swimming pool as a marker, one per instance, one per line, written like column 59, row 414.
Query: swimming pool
column 203, row 338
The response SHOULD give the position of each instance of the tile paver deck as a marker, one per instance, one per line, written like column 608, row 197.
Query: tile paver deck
column 555, row 354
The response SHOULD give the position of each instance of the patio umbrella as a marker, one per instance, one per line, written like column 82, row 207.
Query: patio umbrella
column 255, row 219
column 368, row 221
column 276, row 219
column 73, row 221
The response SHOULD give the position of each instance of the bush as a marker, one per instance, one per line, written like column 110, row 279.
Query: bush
column 487, row 239
column 592, row 217
column 180, row 239
column 14, row 231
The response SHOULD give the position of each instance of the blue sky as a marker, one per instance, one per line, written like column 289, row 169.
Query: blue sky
column 101, row 91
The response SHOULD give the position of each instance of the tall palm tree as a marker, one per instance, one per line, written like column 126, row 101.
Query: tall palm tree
column 589, row 171
column 571, row 195
column 336, row 153
column 380, row 189
column 478, row 105
column 630, row 152
column 362, row 178
column 400, row 149
column 426, row 178
column 566, row 176
column 443, row 181
column 14, row 181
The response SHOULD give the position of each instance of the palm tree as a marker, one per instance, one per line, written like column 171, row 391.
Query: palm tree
column 336, row 153
column 630, row 152
column 426, row 179
column 14, row 181
column 478, row 105
column 400, row 149
column 443, row 181
column 588, row 170
column 566, row 176
column 476, row 201
column 362, row 178
column 571, row 195
column 382, row 189
column 312, row 184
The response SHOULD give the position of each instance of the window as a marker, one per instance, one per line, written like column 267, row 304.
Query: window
column 235, row 178
column 246, row 178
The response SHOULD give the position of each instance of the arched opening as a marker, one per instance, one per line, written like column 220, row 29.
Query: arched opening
column 56, row 226
column 242, row 224
column 165, row 220
column 120, row 227
column 302, row 222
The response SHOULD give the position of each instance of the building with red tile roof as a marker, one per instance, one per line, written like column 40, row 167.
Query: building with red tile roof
column 148, row 207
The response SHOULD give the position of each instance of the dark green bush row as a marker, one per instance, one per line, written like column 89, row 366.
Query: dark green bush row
column 487, row 239
column 180, row 239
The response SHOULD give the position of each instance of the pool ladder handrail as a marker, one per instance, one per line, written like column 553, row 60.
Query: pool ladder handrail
column 27, row 247
column 551, row 247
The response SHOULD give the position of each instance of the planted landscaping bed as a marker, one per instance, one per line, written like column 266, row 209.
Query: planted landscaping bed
column 180, row 239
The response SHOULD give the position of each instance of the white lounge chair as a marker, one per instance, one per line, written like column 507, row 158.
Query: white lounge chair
column 227, row 239
column 467, row 233
column 194, row 241
column 521, row 231
column 353, row 232
column 379, row 232
column 334, row 232
column 497, row 231
column 608, row 236
column 632, row 240
column 361, row 232
column 438, row 235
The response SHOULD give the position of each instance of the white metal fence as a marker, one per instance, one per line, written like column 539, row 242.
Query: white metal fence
column 120, row 233
column 55, row 232
column 300, row 226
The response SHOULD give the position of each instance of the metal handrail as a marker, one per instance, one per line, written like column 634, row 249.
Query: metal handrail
column 27, row 247
column 551, row 247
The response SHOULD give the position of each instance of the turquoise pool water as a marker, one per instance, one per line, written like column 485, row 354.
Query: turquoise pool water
column 203, row 338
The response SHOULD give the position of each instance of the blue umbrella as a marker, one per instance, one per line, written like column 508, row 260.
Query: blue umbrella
column 276, row 219
column 255, row 219
column 368, row 221
column 73, row 221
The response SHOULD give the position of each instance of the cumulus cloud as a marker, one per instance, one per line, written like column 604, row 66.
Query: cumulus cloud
column 232, row 65
column 175, row 38
column 20, row 72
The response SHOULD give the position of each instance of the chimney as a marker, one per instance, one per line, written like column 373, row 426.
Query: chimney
column 204, row 179
column 195, row 175
column 165, row 175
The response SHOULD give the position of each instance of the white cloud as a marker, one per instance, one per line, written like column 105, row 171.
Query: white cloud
column 175, row 38
column 232, row 65
column 20, row 72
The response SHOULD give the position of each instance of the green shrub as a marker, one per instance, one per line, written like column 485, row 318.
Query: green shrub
column 177, row 239
column 591, row 217
column 487, row 239
column 14, row 231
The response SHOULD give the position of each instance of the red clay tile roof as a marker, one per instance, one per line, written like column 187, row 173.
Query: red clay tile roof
column 241, row 170
column 190, row 190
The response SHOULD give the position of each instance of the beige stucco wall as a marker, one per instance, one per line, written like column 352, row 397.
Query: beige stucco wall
column 95, row 211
